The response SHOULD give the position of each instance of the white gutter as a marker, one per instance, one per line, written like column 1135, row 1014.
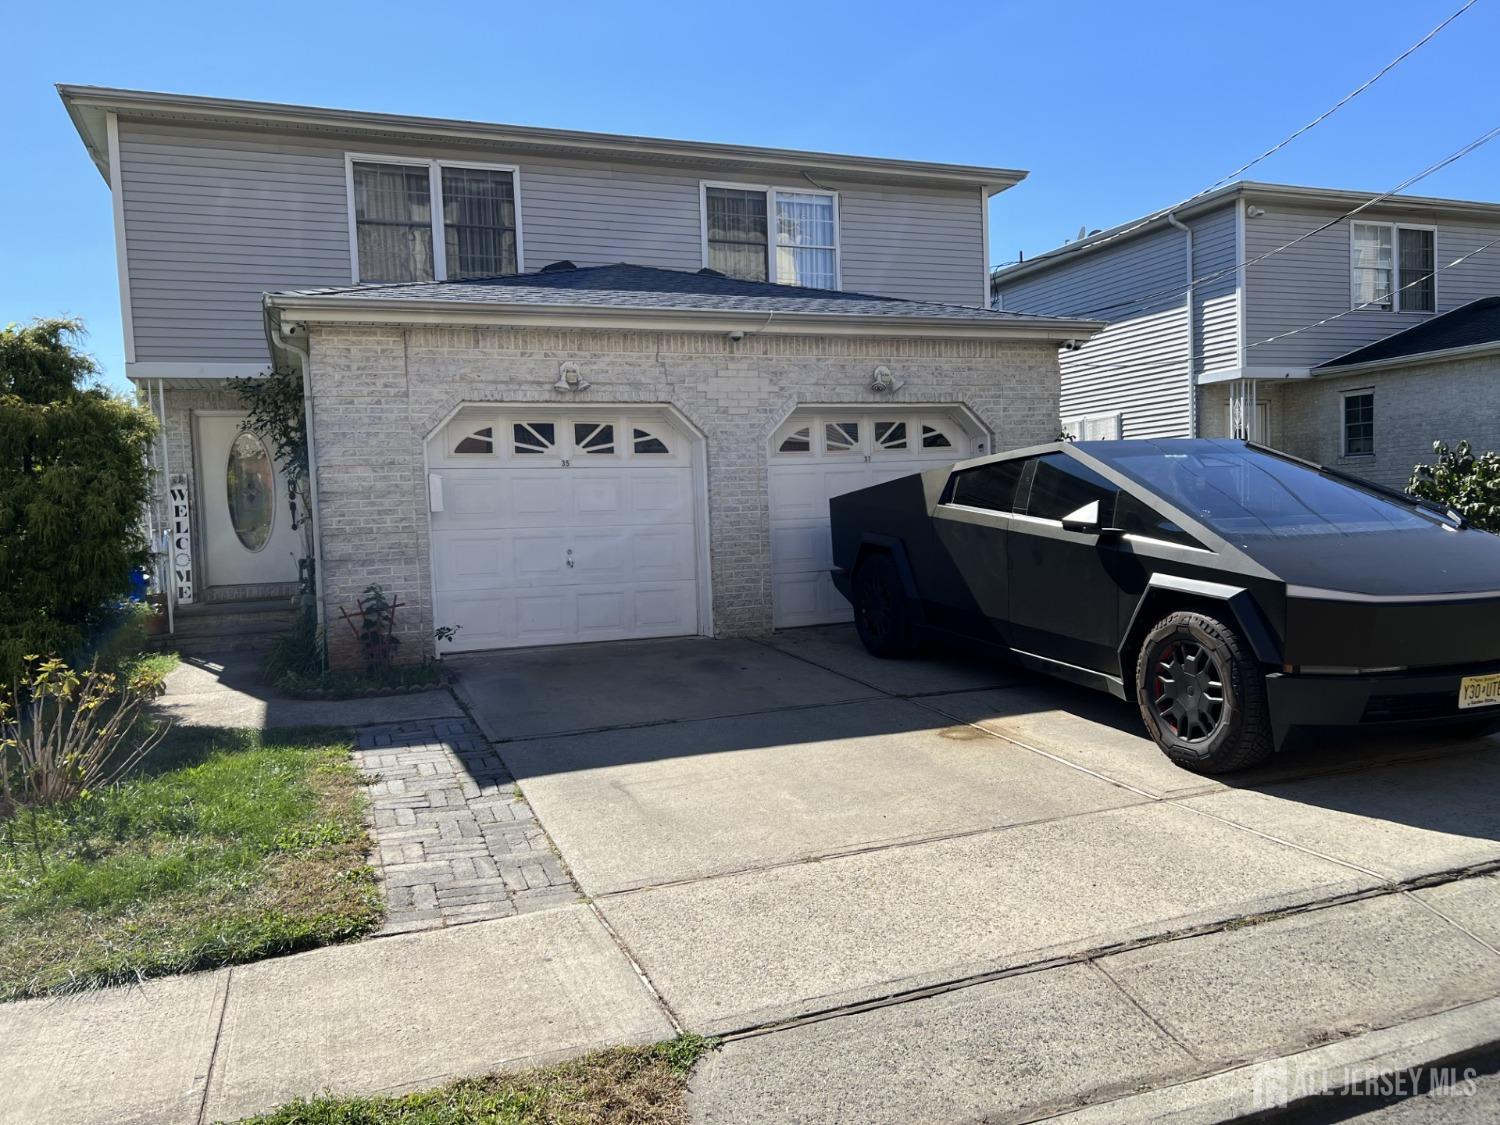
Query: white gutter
column 1417, row 359
column 1192, row 343
column 312, row 470
column 166, row 472
column 360, row 308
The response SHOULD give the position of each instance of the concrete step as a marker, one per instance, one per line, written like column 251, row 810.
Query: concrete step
column 245, row 626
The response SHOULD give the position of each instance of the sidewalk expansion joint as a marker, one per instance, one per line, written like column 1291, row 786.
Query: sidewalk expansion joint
column 1088, row 956
column 640, row 970
column 213, row 1051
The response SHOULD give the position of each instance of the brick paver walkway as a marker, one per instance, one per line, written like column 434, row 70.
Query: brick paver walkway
column 454, row 842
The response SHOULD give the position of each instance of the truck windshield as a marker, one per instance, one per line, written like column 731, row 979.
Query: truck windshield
column 1246, row 494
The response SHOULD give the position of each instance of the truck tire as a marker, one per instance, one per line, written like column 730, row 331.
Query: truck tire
column 882, row 614
column 1202, row 695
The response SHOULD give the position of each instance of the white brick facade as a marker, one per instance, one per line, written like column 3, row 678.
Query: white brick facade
column 378, row 392
column 1415, row 406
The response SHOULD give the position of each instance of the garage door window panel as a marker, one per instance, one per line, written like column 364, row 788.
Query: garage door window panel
column 890, row 437
column 937, row 436
column 797, row 440
column 594, row 439
column 532, row 438
column 841, row 437
column 472, row 440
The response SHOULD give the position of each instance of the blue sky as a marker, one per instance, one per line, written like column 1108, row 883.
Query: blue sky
column 1115, row 108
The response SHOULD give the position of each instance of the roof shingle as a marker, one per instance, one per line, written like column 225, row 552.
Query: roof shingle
column 1478, row 322
column 625, row 286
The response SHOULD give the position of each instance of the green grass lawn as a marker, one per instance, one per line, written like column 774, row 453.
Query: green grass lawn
column 224, row 846
column 621, row 1086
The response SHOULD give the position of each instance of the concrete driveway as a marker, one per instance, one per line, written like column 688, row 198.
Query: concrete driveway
column 966, row 814
column 793, row 830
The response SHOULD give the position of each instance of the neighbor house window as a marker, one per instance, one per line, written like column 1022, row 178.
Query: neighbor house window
column 1393, row 267
column 1359, row 424
column 771, row 234
column 432, row 221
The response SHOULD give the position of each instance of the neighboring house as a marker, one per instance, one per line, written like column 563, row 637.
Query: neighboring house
column 511, row 429
column 1266, row 342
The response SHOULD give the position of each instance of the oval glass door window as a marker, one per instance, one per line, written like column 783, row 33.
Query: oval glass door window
column 250, row 482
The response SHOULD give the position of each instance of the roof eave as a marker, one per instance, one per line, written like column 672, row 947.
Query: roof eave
column 704, row 153
column 315, row 309
column 1411, row 359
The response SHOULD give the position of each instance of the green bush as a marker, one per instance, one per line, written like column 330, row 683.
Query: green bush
column 1460, row 480
column 73, row 482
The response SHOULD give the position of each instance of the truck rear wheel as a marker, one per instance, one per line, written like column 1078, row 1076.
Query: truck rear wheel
column 882, row 614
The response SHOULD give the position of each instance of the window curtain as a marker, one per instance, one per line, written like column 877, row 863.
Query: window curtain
column 393, row 217
column 805, row 240
column 1418, row 284
column 737, row 233
column 479, row 222
column 1372, row 264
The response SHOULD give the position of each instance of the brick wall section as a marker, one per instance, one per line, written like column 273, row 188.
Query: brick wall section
column 378, row 393
column 1414, row 407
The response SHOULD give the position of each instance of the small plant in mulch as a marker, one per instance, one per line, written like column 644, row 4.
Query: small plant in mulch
column 373, row 623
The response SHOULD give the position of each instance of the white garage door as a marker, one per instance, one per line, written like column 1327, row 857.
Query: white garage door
column 552, row 527
column 823, row 453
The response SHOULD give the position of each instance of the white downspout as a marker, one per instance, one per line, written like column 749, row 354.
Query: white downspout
column 1192, row 343
column 166, row 473
column 312, row 468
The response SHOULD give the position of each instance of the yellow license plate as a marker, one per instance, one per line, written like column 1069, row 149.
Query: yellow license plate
column 1479, row 691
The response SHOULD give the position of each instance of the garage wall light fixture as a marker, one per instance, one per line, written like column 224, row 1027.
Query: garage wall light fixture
column 884, row 382
column 570, row 379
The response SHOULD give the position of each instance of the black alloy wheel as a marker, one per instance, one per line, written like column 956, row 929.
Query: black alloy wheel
column 882, row 615
column 1202, row 695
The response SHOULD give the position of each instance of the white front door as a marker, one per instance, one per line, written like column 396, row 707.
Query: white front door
column 823, row 452
column 246, row 523
column 555, row 527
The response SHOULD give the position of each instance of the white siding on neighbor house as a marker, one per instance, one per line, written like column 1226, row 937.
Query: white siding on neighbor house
column 1216, row 323
column 1310, row 281
column 1138, row 366
column 216, row 217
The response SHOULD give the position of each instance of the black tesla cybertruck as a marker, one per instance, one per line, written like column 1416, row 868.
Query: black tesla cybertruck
column 1234, row 592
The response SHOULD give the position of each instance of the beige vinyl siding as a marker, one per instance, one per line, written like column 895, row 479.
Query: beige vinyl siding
column 1310, row 281
column 214, row 218
column 907, row 242
column 1138, row 366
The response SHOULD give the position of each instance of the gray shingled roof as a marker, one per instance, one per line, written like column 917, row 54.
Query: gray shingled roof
column 625, row 286
column 1478, row 322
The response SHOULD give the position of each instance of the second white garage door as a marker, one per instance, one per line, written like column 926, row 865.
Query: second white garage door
column 551, row 528
column 824, row 452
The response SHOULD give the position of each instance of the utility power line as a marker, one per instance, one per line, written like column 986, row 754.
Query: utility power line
column 1177, row 289
column 1288, row 139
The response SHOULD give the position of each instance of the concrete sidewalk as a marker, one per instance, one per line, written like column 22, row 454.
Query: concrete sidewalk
column 383, row 1015
column 228, row 693
column 1187, row 1019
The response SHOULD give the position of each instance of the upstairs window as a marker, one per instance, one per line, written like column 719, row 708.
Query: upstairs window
column 479, row 222
column 432, row 221
column 393, row 216
column 1393, row 267
column 771, row 234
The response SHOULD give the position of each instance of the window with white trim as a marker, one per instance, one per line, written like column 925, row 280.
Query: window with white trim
column 783, row 235
column 1393, row 267
column 1359, row 424
column 431, row 220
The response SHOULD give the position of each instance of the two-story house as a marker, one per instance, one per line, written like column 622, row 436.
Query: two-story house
column 560, row 386
column 1282, row 314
